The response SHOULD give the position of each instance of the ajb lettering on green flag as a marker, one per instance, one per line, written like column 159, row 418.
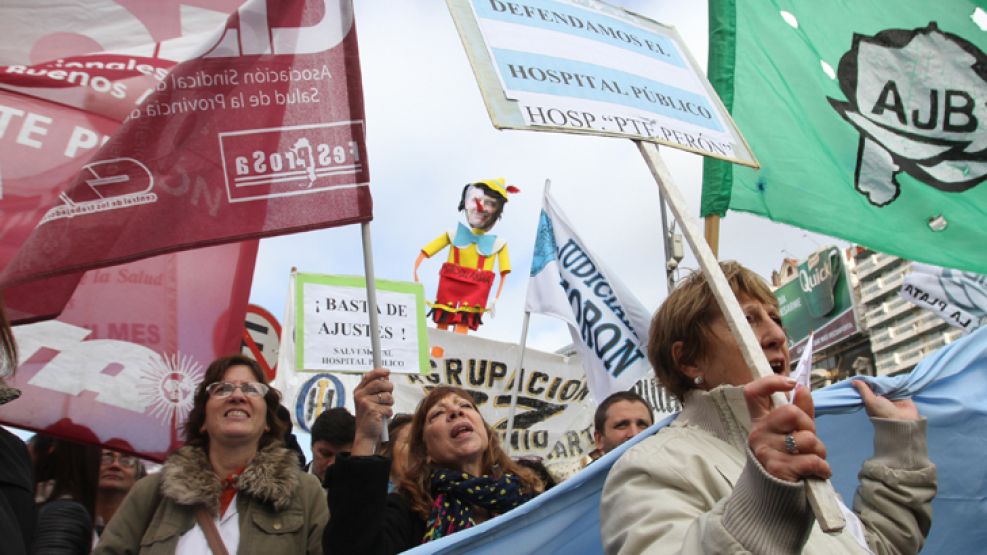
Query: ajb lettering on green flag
column 869, row 120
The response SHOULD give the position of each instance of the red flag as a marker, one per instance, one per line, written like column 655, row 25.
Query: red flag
column 43, row 144
column 259, row 132
column 117, row 367
column 120, row 365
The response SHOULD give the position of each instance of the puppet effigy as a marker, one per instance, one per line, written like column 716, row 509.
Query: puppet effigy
column 467, row 276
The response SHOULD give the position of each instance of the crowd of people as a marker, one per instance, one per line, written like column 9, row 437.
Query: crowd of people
column 726, row 476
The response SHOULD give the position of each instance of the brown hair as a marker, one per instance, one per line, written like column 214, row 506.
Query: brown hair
column 73, row 469
column 600, row 416
column 686, row 316
column 415, row 480
column 397, row 422
column 8, row 348
column 488, row 191
column 217, row 369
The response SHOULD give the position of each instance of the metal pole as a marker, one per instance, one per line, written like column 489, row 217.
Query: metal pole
column 368, row 271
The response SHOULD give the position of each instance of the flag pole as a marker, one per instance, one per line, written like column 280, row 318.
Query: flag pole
column 518, row 384
column 666, row 236
column 520, row 361
column 822, row 496
column 368, row 271
column 712, row 223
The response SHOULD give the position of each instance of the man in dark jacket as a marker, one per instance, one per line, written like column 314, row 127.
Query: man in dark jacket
column 16, row 481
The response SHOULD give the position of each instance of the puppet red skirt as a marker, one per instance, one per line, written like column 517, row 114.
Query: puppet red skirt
column 462, row 296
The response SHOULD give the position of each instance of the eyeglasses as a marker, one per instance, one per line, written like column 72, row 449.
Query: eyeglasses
column 109, row 457
column 222, row 390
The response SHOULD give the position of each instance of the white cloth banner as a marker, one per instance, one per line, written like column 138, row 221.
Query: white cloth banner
column 555, row 410
column 609, row 326
column 960, row 298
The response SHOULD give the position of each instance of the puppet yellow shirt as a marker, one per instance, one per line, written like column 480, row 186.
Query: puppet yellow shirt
column 468, row 256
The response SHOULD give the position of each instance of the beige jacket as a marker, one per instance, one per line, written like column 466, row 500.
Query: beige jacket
column 281, row 508
column 694, row 487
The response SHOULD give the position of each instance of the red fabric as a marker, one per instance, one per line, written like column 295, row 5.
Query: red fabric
column 229, row 490
column 462, row 287
column 120, row 364
column 195, row 164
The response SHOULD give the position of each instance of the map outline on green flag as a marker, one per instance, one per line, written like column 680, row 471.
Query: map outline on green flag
column 869, row 123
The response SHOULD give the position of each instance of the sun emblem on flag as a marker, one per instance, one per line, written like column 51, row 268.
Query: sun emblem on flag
column 167, row 386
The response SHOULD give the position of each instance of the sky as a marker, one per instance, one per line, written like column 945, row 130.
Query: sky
column 428, row 134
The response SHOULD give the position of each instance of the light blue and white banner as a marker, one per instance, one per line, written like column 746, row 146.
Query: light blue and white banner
column 959, row 298
column 609, row 326
column 583, row 66
column 949, row 387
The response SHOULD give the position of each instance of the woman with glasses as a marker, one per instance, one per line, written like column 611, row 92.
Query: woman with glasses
column 118, row 472
column 233, row 487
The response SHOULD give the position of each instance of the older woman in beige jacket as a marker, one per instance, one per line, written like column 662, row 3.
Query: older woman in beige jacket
column 725, row 477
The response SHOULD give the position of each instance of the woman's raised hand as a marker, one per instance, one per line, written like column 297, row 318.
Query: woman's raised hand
column 783, row 439
column 881, row 407
column 373, row 398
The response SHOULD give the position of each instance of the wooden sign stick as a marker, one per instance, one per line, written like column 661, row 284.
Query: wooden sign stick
column 822, row 496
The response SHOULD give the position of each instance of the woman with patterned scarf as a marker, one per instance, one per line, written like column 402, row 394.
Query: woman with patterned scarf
column 456, row 475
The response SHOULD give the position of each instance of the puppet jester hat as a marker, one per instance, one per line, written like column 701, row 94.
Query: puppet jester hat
column 500, row 186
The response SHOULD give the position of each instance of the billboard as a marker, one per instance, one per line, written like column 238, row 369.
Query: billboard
column 819, row 300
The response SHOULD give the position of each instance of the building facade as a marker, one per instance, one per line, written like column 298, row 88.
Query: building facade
column 895, row 334
column 901, row 333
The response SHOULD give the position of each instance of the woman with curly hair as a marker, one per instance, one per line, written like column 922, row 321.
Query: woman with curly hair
column 456, row 476
column 233, row 487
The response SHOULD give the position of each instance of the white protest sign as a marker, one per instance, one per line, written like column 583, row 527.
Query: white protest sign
column 555, row 411
column 587, row 67
column 554, row 417
column 331, row 313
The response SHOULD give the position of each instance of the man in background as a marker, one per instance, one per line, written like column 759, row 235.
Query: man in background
column 620, row 417
column 332, row 434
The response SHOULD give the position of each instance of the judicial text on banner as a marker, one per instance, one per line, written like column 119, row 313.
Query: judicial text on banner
column 608, row 325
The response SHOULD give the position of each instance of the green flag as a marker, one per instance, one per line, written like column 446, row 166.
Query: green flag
column 869, row 119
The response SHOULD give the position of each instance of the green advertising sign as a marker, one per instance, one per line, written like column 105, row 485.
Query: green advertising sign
column 819, row 300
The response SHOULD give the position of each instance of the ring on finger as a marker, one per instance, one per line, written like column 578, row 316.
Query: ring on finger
column 790, row 446
column 380, row 397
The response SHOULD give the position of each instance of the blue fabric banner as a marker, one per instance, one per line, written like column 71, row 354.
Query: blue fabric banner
column 950, row 389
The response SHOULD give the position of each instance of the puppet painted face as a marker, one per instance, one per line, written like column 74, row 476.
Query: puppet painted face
column 481, row 208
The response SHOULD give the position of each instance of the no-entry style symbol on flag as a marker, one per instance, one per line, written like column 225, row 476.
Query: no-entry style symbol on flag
column 261, row 335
